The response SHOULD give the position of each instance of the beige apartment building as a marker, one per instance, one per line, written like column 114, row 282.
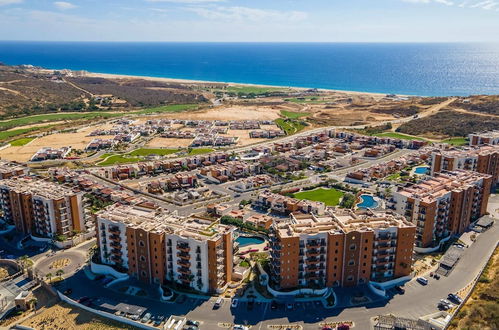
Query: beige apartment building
column 340, row 248
column 157, row 247
column 443, row 205
column 40, row 207
column 491, row 138
column 12, row 169
column 482, row 159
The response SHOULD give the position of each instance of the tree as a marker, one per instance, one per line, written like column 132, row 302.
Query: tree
column 49, row 276
column 59, row 273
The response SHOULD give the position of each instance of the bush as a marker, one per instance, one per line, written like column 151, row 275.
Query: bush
column 348, row 201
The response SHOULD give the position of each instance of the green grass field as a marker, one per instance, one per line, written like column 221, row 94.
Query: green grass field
column 4, row 135
column 119, row 159
column 146, row 152
column 294, row 115
column 289, row 126
column 21, row 142
column 399, row 136
column 199, row 151
column 458, row 141
column 330, row 197
column 167, row 108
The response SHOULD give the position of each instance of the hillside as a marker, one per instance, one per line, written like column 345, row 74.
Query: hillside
column 29, row 91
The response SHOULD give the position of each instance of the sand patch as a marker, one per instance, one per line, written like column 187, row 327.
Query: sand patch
column 234, row 112
column 159, row 142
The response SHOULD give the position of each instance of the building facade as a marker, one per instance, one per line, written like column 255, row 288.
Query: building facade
column 340, row 248
column 443, row 205
column 483, row 159
column 156, row 247
column 491, row 138
column 42, row 208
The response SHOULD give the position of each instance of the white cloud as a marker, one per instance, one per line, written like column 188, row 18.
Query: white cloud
column 444, row 2
column 247, row 14
column 487, row 5
column 9, row 2
column 63, row 5
column 187, row 1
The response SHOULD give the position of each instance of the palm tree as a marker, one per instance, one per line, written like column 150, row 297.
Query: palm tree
column 49, row 276
column 23, row 261
column 59, row 273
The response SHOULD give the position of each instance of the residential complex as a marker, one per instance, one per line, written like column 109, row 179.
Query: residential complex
column 340, row 248
column 482, row 159
column 42, row 208
column 443, row 205
column 11, row 169
column 491, row 138
column 287, row 205
column 157, row 247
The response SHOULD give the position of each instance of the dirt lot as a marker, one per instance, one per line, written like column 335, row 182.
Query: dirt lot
column 65, row 317
column 159, row 142
column 77, row 140
column 229, row 113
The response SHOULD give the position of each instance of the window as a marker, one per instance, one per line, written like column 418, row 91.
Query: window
column 363, row 272
column 335, row 259
column 336, row 243
column 335, row 267
column 365, row 256
column 335, row 251
column 351, row 262
column 367, row 240
column 350, row 278
column 365, row 249
column 144, row 274
column 141, row 243
column 353, row 247
column 142, row 258
column 364, row 264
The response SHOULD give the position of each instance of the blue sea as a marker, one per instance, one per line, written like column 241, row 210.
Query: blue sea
column 428, row 69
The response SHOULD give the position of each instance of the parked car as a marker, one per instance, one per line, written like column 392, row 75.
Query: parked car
column 146, row 318
column 455, row 298
column 290, row 306
column 218, row 303
column 68, row 291
column 192, row 322
column 234, row 303
column 436, row 276
column 274, row 305
column 422, row 280
column 400, row 289
column 240, row 327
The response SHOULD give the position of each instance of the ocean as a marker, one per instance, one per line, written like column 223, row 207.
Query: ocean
column 427, row 69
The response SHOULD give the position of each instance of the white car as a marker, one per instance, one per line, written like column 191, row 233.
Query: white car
column 240, row 327
column 422, row 280
column 234, row 303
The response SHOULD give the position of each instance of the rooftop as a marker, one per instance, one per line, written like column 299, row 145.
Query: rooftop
column 37, row 187
column 338, row 221
column 442, row 184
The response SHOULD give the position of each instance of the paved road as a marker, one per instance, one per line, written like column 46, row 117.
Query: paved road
column 418, row 300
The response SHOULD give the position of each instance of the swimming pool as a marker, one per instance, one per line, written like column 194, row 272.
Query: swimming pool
column 421, row 170
column 367, row 202
column 245, row 241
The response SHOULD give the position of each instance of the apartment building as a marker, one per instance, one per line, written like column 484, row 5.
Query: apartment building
column 482, row 159
column 491, row 138
column 287, row 205
column 11, row 169
column 42, row 208
column 443, row 205
column 156, row 247
column 341, row 248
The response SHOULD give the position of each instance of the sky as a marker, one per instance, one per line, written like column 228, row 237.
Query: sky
column 251, row 20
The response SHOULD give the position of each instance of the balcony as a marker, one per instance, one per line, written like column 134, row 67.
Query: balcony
column 115, row 238
column 116, row 245
column 117, row 259
column 183, row 247
column 184, row 270
column 114, row 230
column 313, row 244
column 184, row 263
column 183, row 255
column 116, row 252
column 312, row 253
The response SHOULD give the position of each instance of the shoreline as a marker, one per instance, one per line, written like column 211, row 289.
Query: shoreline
column 193, row 81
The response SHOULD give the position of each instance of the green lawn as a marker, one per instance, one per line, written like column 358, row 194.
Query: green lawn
column 294, row 115
column 399, row 136
column 8, row 134
column 119, row 159
column 330, row 197
column 458, row 141
column 167, row 108
column 289, row 126
column 199, row 151
column 21, row 142
column 146, row 152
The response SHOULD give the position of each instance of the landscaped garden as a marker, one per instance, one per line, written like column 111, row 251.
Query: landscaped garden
column 330, row 197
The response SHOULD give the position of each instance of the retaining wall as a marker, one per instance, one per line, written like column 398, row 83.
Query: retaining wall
column 106, row 270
